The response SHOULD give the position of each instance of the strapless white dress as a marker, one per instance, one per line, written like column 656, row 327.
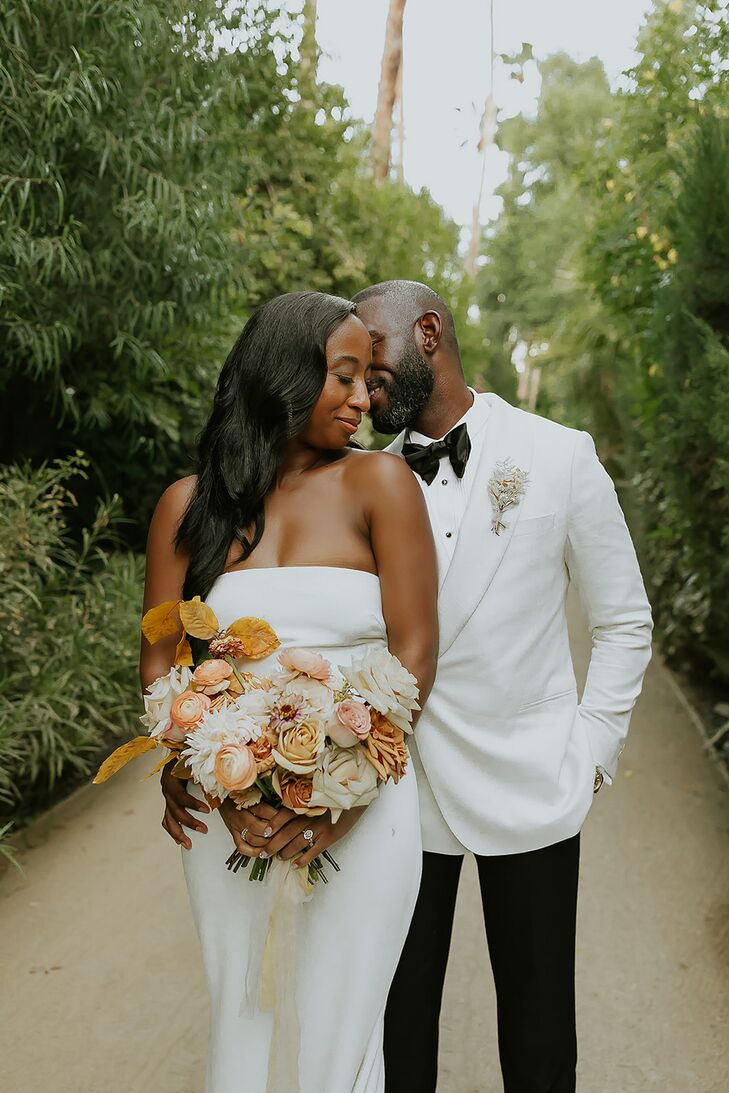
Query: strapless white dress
column 350, row 935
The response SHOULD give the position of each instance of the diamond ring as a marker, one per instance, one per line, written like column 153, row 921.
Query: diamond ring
column 244, row 834
column 308, row 836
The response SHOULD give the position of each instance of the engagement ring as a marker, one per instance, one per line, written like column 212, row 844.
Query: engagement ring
column 309, row 836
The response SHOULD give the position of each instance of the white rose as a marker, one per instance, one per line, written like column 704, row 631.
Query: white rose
column 346, row 779
column 160, row 695
column 380, row 679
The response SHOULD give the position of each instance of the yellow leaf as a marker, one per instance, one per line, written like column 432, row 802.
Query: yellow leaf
column 183, row 652
column 119, row 758
column 161, row 621
column 198, row 619
column 257, row 636
column 181, row 770
column 158, row 768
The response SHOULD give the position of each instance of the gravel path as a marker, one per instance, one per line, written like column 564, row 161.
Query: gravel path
column 101, row 987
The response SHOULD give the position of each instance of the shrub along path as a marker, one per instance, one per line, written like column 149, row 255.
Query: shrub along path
column 101, row 985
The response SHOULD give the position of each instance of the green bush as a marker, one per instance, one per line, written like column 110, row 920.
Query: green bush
column 69, row 617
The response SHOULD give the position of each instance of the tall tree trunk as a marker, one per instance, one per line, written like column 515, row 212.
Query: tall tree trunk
column 400, row 125
column 309, row 53
column 486, row 137
column 387, row 91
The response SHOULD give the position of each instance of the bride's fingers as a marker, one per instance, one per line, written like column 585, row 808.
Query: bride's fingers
column 298, row 844
column 308, row 852
column 290, row 832
column 175, row 831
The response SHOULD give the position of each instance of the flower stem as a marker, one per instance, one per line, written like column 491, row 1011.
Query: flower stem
column 236, row 672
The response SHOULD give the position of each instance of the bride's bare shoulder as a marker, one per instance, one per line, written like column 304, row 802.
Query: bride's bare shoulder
column 173, row 503
column 378, row 472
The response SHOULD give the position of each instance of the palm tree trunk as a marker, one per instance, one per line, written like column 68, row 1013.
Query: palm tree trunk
column 308, row 53
column 387, row 91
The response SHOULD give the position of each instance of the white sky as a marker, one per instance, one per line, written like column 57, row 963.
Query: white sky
column 446, row 51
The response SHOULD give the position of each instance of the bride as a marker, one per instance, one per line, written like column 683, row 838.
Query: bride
column 332, row 546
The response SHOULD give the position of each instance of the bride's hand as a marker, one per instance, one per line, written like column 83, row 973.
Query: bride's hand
column 290, row 842
column 253, row 828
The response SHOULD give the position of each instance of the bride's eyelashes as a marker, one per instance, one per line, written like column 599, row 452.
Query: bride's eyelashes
column 346, row 380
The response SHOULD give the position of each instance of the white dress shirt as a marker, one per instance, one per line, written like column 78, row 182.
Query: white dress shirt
column 447, row 495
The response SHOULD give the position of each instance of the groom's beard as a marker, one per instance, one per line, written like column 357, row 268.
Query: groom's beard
column 407, row 393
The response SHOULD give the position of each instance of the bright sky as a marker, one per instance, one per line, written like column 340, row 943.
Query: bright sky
column 446, row 51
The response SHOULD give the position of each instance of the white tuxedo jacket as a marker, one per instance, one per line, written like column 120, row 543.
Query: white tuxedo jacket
column 504, row 754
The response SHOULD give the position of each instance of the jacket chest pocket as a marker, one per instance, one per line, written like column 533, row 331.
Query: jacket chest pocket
column 535, row 525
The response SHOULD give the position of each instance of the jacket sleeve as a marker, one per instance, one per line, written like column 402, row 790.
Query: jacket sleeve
column 602, row 563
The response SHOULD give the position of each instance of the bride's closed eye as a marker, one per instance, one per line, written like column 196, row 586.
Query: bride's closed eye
column 347, row 380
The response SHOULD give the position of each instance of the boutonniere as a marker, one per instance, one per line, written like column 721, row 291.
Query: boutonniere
column 507, row 486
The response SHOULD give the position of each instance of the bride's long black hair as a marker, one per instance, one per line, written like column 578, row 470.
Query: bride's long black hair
column 265, row 394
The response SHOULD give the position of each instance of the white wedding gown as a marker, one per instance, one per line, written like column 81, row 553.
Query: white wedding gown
column 350, row 934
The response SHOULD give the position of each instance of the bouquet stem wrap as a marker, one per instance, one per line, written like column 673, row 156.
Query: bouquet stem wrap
column 271, row 975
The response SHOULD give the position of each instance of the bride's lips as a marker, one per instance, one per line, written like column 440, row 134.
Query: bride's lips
column 350, row 426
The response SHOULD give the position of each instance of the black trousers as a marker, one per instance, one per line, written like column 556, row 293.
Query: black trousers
column 530, row 908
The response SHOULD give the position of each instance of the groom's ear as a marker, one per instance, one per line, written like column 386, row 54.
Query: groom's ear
column 428, row 330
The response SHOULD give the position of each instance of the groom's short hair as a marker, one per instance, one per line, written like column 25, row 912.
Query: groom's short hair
column 411, row 299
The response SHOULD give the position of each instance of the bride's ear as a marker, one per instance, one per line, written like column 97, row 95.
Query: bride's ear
column 428, row 330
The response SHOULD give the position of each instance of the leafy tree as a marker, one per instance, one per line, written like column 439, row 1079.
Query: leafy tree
column 608, row 269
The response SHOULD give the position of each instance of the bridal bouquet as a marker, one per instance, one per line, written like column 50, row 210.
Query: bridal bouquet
column 310, row 736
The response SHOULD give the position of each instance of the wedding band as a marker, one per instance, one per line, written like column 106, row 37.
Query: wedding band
column 244, row 834
column 308, row 836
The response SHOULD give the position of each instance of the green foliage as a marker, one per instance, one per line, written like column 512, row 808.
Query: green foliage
column 69, row 616
column 165, row 168
column 610, row 266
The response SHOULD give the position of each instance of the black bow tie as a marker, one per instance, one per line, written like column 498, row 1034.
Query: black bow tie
column 424, row 458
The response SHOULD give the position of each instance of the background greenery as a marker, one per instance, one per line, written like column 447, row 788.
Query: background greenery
column 610, row 269
column 166, row 166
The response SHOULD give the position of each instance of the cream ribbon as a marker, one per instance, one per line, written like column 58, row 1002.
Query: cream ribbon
column 272, row 973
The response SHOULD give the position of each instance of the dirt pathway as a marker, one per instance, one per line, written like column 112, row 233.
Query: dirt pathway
column 101, row 989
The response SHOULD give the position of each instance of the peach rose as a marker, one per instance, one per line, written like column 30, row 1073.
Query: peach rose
column 296, row 795
column 187, row 710
column 235, row 767
column 350, row 724
column 212, row 676
column 305, row 663
column 300, row 746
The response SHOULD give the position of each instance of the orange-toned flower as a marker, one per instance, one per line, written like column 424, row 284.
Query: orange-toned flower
column 306, row 663
column 385, row 748
column 212, row 676
column 261, row 750
column 296, row 795
column 227, row 646
column 188, row 708
column 235, row 767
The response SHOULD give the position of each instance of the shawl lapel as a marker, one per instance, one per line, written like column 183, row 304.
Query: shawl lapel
column 479, row 551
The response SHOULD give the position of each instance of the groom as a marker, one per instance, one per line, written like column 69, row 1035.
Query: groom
column 506, row 758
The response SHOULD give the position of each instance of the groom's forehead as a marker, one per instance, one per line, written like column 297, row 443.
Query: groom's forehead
column 382, row 317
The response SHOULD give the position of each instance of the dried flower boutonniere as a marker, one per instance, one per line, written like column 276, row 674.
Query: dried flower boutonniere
column 506, row 489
